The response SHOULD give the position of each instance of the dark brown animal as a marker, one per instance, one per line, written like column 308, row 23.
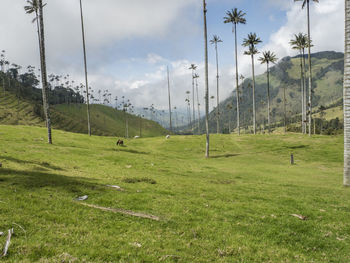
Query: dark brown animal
column 120, row 142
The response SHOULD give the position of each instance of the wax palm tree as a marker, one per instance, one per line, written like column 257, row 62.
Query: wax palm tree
column 347, row 97
column 206, row 78
column 236, row 17
column 214, row 41
column 36, row 6
column 85, row 69
column 170, row 122
column 307, row 4
column 193, row 67
column 188, row 102
column 229, row 108
column 196, row 76
column 300, row 42
column 267, row 58
column 251, row 41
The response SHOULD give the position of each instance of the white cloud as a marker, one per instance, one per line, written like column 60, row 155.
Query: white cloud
column 109, row 22
column 327, row 27
column 154, row 58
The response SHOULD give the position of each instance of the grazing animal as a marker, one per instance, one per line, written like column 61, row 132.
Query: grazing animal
column 136, row 137
column 120, row 142
column 167, row 137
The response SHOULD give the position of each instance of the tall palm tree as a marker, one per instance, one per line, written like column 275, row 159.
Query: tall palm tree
column 196, row 76
column 267, row 58
column 188, row 102
column 236, row 17
column 307, row 4
column 300, row 43
column 251, row 41
column 347, row 96
column 36, row 6
column 85, row 68
column 215, row 40
column 170, row 123
column 229, row 108
column 206, row 78
column 193, row 67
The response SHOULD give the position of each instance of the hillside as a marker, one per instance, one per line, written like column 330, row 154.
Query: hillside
column 328, row 68
column 224, row 209
column 72, row 117
column 104, row 121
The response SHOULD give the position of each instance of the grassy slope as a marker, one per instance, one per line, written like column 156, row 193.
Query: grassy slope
column 234, row 207
column 105, row 120
column 14, row 112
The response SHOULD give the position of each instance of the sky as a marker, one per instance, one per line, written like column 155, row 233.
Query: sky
column 130, row 43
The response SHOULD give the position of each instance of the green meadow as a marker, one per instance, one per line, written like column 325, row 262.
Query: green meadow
column 236, row 206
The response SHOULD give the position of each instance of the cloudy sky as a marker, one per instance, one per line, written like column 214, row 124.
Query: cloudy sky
column 131, row 42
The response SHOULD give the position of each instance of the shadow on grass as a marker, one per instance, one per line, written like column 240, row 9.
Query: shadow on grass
column 225, row 155
column 42, row 164
column 296, row 147
column 123, row 149
column 34, row 179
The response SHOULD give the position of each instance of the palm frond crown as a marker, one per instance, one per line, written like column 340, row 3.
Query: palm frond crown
column 216, row 39
column 235, row 17
column 306, row 1
column 268, row 57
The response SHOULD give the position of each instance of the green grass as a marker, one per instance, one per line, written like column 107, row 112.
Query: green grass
column 234, row 207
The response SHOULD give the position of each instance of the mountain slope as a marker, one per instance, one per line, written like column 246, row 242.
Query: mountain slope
column 328, row 69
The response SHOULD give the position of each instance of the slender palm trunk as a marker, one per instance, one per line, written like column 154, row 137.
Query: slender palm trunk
column 284, row 109
column 268, row 97
column 347, row 96
column 43, row 72
column 193, row 110
column 198, row 110
column 310, row 72
column 85, row 69
column 189, row 115
column 302, row 92
column 217, row 91
column 3, row 83
column 305, row 94
column 206, row 79
column 237, row 86
column 140, row 126
column 254, row 111
column 170, row 123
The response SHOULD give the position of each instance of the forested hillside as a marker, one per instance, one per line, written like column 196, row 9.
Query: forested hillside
column 21, row 104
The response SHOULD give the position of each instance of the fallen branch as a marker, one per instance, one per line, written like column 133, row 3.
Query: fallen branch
column 122, row 211
column 118, row 188
column 8, row 241
column 301, row 217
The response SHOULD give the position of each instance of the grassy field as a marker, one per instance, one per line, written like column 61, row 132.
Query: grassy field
column 234, row 207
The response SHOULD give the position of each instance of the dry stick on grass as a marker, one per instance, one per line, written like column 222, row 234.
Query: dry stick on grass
column 122, row 211
column 301, row 217
column 8, row 241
